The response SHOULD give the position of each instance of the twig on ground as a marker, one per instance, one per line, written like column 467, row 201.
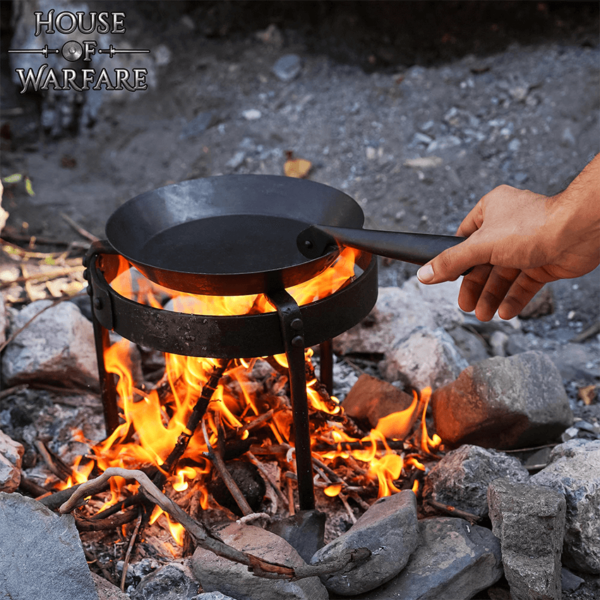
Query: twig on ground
column 130, row 548
column 13, row 390
column 228, row 480
column 13, row 237
column 204, row 538
column 532, row 448
column 79, row 229
column 587, row 333
column 41, row 277
column 290, row 491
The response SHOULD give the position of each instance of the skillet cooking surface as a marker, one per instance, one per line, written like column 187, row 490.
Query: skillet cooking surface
column 228, row 244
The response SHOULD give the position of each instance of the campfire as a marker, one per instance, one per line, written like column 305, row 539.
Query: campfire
column 246, row 428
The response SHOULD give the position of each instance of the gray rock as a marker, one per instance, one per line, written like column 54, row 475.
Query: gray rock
column 57, row 347
column 11, row 453
column 570, row 582
column 372, row 399
column 575, row 472
column 498, row 341
column 389, row 530
column 503, row 403
column 399, row 312
column 106, row 590
column 287, row 68
column 40, row 553
column 303, row 531
column 470, row 345
column 236, row 160
column 219, row 574
column 572, row 361
column 462, row 477
column 171, row 582
column 530, row 522
column 454, row 561
column 200, row 123
column 425, row 358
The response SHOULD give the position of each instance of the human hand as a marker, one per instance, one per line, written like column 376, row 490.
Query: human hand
column 517, row 241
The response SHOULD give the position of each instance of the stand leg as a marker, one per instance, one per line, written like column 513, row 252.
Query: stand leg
column 326, row 368
column 292, row 329
column 108, row 388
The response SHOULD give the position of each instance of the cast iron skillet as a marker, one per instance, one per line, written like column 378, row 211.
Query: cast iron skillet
column 237, row 234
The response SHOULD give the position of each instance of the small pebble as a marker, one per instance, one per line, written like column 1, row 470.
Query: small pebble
column 252, row 114
column 287, row 68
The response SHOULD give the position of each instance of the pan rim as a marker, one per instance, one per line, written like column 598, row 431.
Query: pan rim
column 327, row 259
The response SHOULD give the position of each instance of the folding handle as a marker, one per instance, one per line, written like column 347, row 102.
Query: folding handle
column 416, row 248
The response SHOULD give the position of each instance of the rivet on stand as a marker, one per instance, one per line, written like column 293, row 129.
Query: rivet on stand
column 98, row 303
column 296, row 324
column 298, row 341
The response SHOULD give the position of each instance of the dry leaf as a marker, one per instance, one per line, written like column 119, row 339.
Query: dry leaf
column 297, row 167
column 588, row 394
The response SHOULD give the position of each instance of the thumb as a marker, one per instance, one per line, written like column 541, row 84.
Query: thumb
column 452, row 263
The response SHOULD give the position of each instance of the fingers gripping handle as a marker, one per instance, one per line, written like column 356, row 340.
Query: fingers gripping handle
column 416, row 248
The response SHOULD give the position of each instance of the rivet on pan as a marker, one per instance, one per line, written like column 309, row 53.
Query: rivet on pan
column 298, row 342
column 98, row 303
column 204, row 321
column 308, row 244
column 296, row 324
column 86, row 274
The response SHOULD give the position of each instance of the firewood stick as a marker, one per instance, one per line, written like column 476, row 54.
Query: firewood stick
column 31, row 487
column 228, row 480
column 451, row 510
column 105, row 524
column 194, row 420
column 56, row 466
column 130, row 548
column 257, row 422
column 204, row 538
column 268, row 477
column 290, row 491
column 341, row 496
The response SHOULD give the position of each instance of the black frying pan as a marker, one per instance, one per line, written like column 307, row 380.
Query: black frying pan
column 237, row 234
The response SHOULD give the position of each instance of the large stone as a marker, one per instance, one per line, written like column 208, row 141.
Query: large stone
column 399, row 312
column 57, row 347
column 304, row 531
column 371, row 399
column 171, row 582
column 389, row 530
column 503, row 403
column 40, row 553
column 575, row 471
column 106, row 590
column 530, row 522
column 424, row 359
column 462, row 477
column 217, row 574
column 454, row 561
column 11, row 453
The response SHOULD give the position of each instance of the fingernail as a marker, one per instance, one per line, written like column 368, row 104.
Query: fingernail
column 425, row 274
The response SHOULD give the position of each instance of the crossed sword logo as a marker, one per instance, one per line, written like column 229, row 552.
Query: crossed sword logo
column 73, row 51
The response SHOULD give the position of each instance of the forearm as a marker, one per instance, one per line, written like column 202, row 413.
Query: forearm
column 576, row 211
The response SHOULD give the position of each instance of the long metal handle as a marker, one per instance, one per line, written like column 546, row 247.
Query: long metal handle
column 416, row 248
